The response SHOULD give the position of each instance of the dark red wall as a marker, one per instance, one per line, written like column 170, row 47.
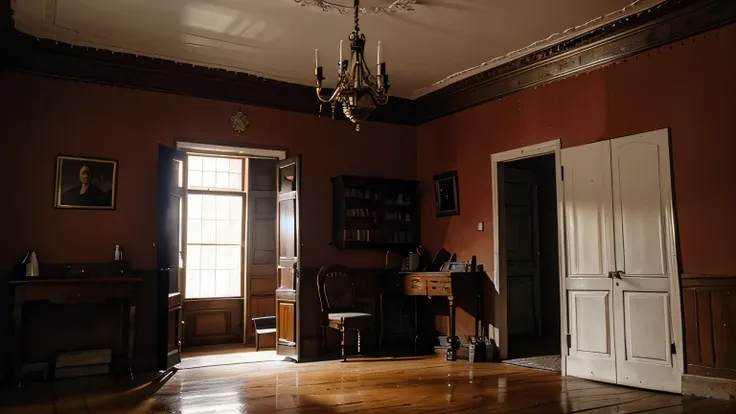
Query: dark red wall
column 42, row 118
column 688, row 87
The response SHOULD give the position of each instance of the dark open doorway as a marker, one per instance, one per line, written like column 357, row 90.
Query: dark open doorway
column 532, row 257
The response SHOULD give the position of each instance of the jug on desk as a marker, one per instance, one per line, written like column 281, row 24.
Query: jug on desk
column 31, row 263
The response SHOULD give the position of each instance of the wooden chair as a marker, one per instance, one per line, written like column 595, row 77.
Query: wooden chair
column 337, row 299
column 264, row 325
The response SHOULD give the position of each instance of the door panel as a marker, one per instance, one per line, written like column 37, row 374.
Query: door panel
column 521, row 310
column 287, row 333
column 522, row 252
column 519, row 234
column 638, row 206
column 590, row 257
column 261, row 286
column 590, row 314
column 169, row 248
column 287, row 228
column 652, row 320
column 261, row 257
column 588, row 213
column 213, row 321
column 289, row 250
column 287, row 323
column 645, row 254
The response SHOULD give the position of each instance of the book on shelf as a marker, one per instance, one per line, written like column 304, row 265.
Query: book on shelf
column 357, row 235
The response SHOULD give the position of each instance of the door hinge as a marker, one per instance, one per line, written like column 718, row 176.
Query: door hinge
column 562, row 173
column 569, row 341
column 673, row 348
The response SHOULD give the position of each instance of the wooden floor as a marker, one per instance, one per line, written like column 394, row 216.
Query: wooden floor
column 223, row 349
column 415, row 385
column 212, row 355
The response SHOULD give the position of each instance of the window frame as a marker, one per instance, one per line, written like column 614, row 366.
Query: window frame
column 224, row 192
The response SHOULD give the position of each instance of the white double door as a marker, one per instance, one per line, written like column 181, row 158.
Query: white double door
column 621, row 286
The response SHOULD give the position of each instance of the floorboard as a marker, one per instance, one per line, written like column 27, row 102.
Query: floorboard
column 430, row 385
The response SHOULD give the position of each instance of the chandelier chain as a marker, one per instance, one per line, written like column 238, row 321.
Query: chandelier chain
column 357, row 16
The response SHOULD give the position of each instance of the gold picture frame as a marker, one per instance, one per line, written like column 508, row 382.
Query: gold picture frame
column 85, row 183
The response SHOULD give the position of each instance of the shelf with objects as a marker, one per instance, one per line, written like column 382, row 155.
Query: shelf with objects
column 374, row 213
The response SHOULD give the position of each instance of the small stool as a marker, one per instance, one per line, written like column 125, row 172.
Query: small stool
column 264, row 325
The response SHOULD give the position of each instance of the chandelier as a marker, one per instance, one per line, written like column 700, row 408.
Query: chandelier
column 357, row 91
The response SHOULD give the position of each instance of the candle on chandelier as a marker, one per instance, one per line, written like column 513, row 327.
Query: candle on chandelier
column 340, row 61
column 316, row 58
column 379, row 52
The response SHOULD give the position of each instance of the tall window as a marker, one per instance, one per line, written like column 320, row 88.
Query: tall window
column 215, row 210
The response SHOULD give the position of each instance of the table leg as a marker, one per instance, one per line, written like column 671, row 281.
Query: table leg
column 452, row 339
column 131, row 334
column 416, row 325
column 18, row 332
column 380, row 323
column 478, row 317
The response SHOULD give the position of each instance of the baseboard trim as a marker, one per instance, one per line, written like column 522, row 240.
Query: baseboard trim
column 709, row 387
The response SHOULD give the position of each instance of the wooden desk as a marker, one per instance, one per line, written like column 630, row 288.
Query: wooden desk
column 73, row 291
column 440, row 284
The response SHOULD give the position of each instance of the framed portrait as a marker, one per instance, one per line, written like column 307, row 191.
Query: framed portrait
column 85, row 183
column 446, row 194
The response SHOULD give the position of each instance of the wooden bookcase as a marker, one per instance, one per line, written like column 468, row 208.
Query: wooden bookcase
column 374, row 213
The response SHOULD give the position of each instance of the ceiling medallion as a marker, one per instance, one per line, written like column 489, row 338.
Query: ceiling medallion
column 357, row 91
column 239, row 122
column 405, row 5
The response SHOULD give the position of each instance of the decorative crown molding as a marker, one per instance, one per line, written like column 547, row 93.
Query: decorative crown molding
column 667, row 22
column 328, row 6
column 46, row 57
column 671, row 21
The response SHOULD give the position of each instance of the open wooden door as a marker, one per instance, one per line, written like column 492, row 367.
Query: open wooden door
column 261, row 256
column 171, row 196
column 289, row 249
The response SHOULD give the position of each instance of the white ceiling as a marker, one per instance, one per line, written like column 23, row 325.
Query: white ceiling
column 276, row 38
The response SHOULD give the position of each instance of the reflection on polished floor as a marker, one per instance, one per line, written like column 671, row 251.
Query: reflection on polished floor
column 408, row 385
column 213, row 355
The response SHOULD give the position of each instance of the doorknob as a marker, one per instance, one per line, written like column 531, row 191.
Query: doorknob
column 620, row 274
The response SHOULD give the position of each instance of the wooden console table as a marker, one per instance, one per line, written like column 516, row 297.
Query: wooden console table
column 440, row 284
column 73, row 291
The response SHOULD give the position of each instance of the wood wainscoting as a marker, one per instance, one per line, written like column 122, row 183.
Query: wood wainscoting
column 709, row 304
column 210, row 322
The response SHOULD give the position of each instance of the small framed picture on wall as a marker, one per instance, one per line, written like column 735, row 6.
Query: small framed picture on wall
column 446, row 194
column 85, row 183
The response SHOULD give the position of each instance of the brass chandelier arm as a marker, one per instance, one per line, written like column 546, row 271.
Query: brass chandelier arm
column 330, row 98
column 377, row 92
column 380, row 99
